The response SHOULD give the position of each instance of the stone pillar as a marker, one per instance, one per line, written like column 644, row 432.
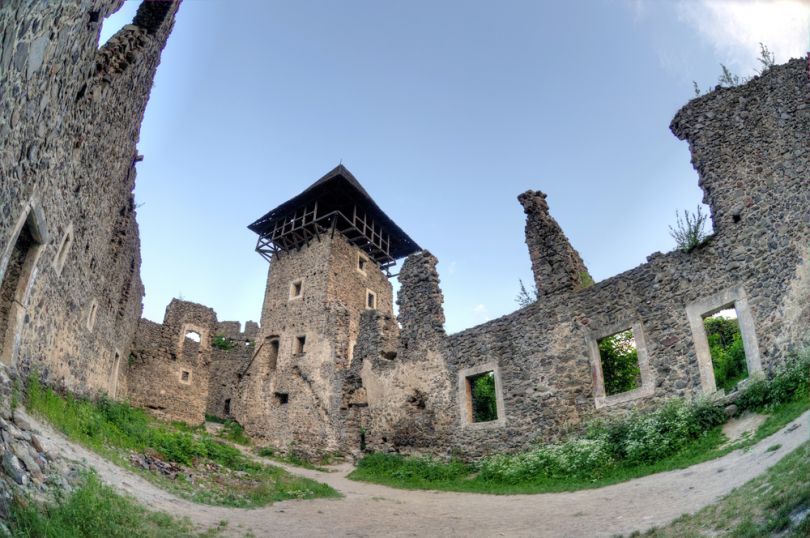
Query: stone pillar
column 420, row 299
column 556, row 264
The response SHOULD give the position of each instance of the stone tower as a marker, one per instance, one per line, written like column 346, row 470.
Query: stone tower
column 330, row 250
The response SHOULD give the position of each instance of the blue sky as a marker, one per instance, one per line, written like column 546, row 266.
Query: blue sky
column 445, row 111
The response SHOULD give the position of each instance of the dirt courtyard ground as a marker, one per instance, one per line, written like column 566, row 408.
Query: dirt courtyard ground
column 373, row 510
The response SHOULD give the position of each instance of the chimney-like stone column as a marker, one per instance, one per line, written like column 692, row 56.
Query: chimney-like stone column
column 420, row 299
column 557, row 266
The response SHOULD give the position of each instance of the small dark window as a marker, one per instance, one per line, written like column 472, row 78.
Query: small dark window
column 371, row 300
column 228, row 406
column 296, row 289
column 300, row 344
column 619, row 358
column 282, row 397
column 361, row 263
column 481, row 398
column 185, row 376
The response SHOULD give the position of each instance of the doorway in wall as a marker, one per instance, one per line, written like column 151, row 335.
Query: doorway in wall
column 14, row 285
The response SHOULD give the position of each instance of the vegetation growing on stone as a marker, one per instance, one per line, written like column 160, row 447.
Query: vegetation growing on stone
column 223, row 342
column 689, row 232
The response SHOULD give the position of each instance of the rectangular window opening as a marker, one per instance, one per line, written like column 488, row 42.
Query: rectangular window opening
column 300, row 344
column 296, row 289
column 618, row 355
column 185, row 377
column 726, row 348
column 371, row 300
column 362, row 263
column 282, row 397
column 481, row 397
column 272, row 353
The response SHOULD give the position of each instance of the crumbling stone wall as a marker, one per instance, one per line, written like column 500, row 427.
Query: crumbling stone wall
column 168, row 372
column 751, row 147
column 69, row 248
column 227, row 366
column 295, row 401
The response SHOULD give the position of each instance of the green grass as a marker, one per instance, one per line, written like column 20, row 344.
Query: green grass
column 233, row 431
column 219, row 473
column 426, row 473
column 762, row 507
column 94, row 510
column 295, row 459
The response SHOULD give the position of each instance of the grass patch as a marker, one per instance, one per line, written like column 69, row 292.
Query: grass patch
column 296, row 459
column 204, row 469
column 766, row 506
column 94, row 510
column 674, row 436
column 233, row 431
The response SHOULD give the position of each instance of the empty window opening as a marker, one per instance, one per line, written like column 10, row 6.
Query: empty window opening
column 726, row 348
column 282, row 397
column 227, row 406
column 15, row 283
column 114, row 22
column 114, row 375
column 64, row 249
column 91, row 315
column 272, row 352
column 185, row 377
column 194, row 336
column 300, row 344
column 618, row 355
column 296, row 289
column 371, row 300
column 362, row 263
column 481, row 397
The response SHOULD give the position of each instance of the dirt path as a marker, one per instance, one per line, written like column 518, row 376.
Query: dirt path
column 372, row 510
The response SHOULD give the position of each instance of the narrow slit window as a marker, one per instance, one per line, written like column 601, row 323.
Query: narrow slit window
column 362, row 263
column 371, row 300
column 300, row 345
column 482, row 403
column 726, row 348
column 272, row 353
column 618, row 355
column 64, row 249
column 296, row 289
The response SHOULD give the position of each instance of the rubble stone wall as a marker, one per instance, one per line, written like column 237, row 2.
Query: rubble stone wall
column 69, row 249
column 227, row 366
column 751, row 147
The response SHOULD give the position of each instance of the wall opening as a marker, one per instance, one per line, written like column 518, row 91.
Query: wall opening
column 194, row 336
column 371, row 300
column 282, row 398
column 185, row 377
column 64, row 249
column 481, row 397
column 91, row 315
column 300, row 345
column 297, row 289
column 362, row 263
column 272, row 353
column 115, row 369
column 618, row 355
column 726, row 348
column 721, row 347
column 16, row 282
column 227, row 408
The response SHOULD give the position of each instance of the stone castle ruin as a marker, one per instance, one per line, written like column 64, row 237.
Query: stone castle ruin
column 331, row 368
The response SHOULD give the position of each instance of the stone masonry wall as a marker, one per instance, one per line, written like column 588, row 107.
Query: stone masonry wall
column 295, row 401
column 751, row 147
column 227, row 366
column 168, row 372
column 70, row 115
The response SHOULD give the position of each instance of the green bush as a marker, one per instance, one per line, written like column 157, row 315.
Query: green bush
column 233, row 431
column 790, row 382
column 484, row 406
column 619, row 358
column 728, row 354
column 223, row 342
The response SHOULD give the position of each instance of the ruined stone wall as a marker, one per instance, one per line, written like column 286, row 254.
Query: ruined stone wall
column 69, row 122
column 168, row 372
column 751, row 147
column 227, row 366
column 295, row 401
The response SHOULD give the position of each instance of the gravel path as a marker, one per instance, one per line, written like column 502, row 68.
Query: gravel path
column 373, row 510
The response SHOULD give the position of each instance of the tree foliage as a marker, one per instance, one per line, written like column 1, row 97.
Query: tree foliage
column 619, row 362
column 525, row 297
column 484, row 405
column 728, row 354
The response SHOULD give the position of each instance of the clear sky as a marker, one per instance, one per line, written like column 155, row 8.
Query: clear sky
column 445, row 111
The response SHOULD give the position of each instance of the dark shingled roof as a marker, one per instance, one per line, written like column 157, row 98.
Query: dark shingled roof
column 339, row 190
